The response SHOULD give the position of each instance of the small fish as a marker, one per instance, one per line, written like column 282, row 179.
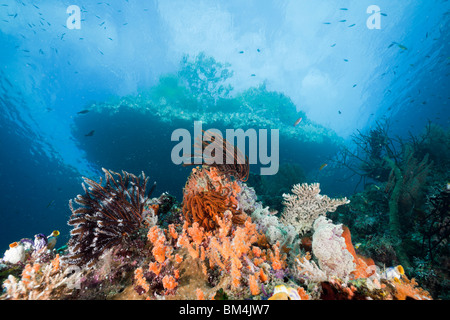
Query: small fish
column 258, row 50
column 339, row 111
column 327, row 23
column 298, row 121
column 402, row 46
column 102, row 23
column 342, row 20
column 354, row 85
column 101, row 52
column 83, row 111
column 357, row 245
column 90, row 134
column 323, row 166
column 345, row 9
column 352, row 25
column 50, row 203
column 383, row 14
column 346, row 60
column 253, row 75
column 393, row 273
column 333, row 45
column 241, row 52
column 51, row 239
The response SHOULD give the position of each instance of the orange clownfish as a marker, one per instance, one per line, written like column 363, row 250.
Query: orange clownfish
column 298, row 121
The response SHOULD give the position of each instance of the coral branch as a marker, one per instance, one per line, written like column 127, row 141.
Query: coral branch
column 305, row 205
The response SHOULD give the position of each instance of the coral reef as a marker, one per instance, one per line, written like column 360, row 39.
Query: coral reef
column 227, row 246
column 399, row 188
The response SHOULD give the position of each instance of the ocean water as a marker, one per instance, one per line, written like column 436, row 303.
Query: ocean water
column 110, row 93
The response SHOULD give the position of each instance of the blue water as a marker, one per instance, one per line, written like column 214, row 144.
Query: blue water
column 341, row 74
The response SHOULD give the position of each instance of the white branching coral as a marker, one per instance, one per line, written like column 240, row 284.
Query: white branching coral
column 305, row 205
column 329, row 248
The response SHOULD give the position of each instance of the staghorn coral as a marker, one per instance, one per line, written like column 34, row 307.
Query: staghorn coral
column 305, row 205
column 106, row 215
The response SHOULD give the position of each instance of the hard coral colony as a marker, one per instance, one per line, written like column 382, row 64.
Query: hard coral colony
column 220, row 244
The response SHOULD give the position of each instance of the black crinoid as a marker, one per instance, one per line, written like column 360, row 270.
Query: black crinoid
column 107, row 214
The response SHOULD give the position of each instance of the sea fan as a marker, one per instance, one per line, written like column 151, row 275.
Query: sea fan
column 106, row 215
